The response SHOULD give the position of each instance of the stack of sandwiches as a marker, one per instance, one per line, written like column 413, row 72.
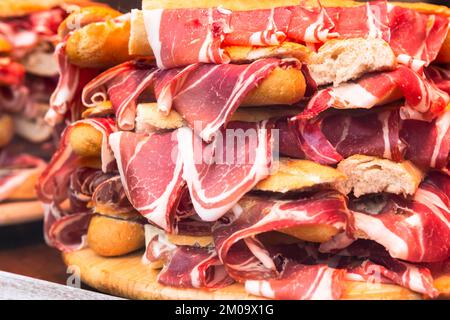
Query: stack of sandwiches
column 297, row 151
column 28, row 76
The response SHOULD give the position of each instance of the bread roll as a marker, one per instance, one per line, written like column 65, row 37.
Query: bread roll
column 149, row 119
column 339, row 61
column 284, row 86
column 86, row 141
column 6, row 130
column 100, row 44
column 299, row 175
column 367, row 175
column 181, row 240
column 5, row 46
column 318, row 233
column 85, row 16
column 110, row 237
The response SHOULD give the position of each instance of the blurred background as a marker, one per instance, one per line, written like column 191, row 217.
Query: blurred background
column 126, row 5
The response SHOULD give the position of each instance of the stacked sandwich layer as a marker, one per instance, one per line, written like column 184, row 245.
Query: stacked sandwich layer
column 295, row 149
column 28, row 76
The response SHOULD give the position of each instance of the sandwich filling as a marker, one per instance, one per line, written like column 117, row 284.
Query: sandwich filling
column 295, row 183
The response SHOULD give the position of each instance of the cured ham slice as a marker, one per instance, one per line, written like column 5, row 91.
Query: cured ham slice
column 310, row 25
column 197, row 35
column 205, row 95
column 218, row 175
column 428, row 142
column 440, row 76
column 154, row 195
column 66, row 99
column 301, row 282
column 194, row 267
column 83, row 184
column 416, row 38
column 184, row 266
column 416, row 278
column 209, row 95
column 258, row 27
column 416, row 231
column 68, row 233
column 234, row 236
column 366, row 21
column 11, row 73
column 53, row 185
column 15, row 170
column 289, row 144
column 122, row 85
column 424, row 101
column 330, row 139
column 110, row 196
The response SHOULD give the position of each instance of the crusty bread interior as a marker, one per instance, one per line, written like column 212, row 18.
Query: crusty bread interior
column 338, row 61
column 368, row 175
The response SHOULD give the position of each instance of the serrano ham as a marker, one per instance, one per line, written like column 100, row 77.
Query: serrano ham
column 416, row 231
column 66, row 99
column 258, row 27
column 156, row 195
column 424, row 100
column 331, row 138
column 197, row 37
column 415, row 38
column 234, row 235
column 194, row 267
column 210, row 94
column 416, row 278
column 122, row 85
column 220, row 173
column 440, row 76
column 301, row 282
column 217, row 174
column 205, row 95
column 53, row 184
column 428, row 142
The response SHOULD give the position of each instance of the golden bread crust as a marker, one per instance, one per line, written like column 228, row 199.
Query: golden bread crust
column 6, row 129
column 17, row 8
column 86, row 141
column 100, row 44
column 111, row 237
column 85, row 16
column 300, row 175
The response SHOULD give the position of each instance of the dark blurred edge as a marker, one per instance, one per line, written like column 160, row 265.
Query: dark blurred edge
column 127, row 5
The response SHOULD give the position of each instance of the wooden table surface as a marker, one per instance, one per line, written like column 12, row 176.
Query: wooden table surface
column 24, row 252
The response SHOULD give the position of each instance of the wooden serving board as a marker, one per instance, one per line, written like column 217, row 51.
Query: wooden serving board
column 128, row 277
column 20, row 212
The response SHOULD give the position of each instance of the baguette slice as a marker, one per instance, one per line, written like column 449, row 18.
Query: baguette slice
column 369, row 175
column 111, row 237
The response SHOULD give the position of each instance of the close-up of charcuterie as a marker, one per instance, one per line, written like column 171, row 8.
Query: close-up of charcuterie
column 225, row 150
